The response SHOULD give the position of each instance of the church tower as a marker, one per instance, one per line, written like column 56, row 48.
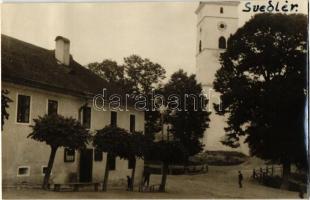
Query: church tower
column 217, row 20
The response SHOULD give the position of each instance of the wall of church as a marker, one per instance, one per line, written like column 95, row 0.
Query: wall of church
column 209, row 30
column 230, row 10
column 208, row 33
column 20, row 151
column 215, row 133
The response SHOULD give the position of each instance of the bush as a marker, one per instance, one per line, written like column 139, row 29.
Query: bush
column 220, row 158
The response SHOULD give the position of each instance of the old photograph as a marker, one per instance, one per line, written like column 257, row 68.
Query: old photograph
column 165, row 100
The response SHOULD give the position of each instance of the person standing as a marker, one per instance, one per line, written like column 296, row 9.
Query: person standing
column 146, row 176
column 129, row 183
column 240, row 178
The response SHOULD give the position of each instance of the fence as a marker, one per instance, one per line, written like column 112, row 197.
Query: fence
column 262, row 172
column 272, row 176
column 178, row 169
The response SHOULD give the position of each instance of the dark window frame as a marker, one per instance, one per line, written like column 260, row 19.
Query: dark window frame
column 200, row 46
column 86, row 117
column 221, row 10
column 131, row 163
column 113, row 120
column 98, row 155
column 23, row 111
column 222, row 43
column 132, row 123
column 112, row 162
column 23, row 171
column 51, row 110
column 68, row 151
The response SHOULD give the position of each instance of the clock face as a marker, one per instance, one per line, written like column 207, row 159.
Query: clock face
column 222, row 26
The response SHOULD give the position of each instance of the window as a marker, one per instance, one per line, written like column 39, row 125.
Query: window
column 86, row 117
column 69, row 155
column 23, row 171
column 52, row 107
column 132, row 123
column 221, row 10
column 112, row 162
column 131, row 163
column 98, row 155
column 113, row 119
column 200, row 47
column 44, row 170
column 23, row 109
column 222, row 43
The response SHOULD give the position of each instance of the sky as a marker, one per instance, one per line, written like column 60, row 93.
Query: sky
column 163, row 32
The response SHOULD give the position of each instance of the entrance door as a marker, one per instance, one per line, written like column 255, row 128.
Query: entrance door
column 86, row 165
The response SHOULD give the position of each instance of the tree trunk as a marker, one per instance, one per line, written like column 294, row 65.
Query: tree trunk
column 49, row 168
column 162, row 187
column 133, row 174
column 106, row 174
column 286, row 174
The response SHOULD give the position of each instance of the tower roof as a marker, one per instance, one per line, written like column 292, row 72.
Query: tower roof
column 229, row 3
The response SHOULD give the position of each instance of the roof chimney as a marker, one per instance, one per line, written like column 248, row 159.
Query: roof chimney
column 62, row 51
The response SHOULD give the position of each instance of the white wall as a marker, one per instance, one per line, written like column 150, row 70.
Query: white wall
column 207, row 63
column 18, row 150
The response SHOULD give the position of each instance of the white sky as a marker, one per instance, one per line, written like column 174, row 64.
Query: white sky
column 162, row 32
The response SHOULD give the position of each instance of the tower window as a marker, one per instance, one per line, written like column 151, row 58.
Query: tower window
column 222, row 43
column 200, row 48
column 221, row 10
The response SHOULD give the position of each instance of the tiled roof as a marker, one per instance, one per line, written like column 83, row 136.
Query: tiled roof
column 27, row 64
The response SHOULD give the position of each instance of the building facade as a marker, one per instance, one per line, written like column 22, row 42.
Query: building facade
column 42, row 82
column 216, row 21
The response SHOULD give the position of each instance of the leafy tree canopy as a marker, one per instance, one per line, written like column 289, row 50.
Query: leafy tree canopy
column 5, row 100
column 189, row 120
column 113, row 140
column 145, row 74
column 262, row 83
column 59, row 131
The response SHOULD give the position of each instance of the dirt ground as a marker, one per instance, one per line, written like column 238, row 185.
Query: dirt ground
column 220, row 182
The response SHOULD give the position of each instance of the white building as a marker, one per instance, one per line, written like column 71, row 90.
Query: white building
column 216, row 21
column 40, row 82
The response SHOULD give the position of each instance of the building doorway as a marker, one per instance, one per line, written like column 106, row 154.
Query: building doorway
column 86, row 165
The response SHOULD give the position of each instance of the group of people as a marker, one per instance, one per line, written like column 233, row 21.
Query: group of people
column 146, row 179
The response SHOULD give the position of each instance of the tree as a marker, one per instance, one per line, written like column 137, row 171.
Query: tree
column 113, row 73
column 189, row 121
column 263, row 85
column 169, row 152
column 5, row 100
column 137, row 145
column 145, row 76
column 58, row 131
column 115, row 142
column 138, row 76
column 108, row 70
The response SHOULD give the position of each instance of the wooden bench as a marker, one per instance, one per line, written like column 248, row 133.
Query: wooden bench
column 75, row 186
